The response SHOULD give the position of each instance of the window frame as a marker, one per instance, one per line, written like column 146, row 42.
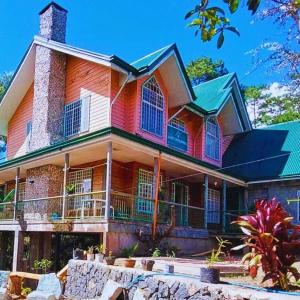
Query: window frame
column 214, row 206
column 175, row 123
column 216, row 144
column 161, row 109
column 73, row 103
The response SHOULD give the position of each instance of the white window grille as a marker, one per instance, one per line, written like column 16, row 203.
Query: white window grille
column 82, row 182
column 213, row 141
column 213, row 206
column 145, row 192
column 22, row 191
column 152, row 115
column 76, row 117
column 28, row 135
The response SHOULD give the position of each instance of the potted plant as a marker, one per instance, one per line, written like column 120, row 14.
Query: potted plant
column 147, row 264
column 129, row 253
column 99, row 256
column 90, row 253
column 55, row 216
column 210, row 274
column 70, row 188
column 110, row 259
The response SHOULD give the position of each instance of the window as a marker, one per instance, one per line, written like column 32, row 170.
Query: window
column 152, row 114
column 28, row 135
column 82, row 182
column 22, row 191
column 145, row 191
column 212, row 145
column 177, row 136
column 76, row 117
column 213, row 206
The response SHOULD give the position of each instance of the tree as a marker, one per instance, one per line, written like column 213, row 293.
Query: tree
column 270, row 109
column 204, row 69
column 5, row 79
column 211, row 21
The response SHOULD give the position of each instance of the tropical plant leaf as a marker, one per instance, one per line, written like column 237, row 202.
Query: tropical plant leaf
column 220, row 40
column 233, row 29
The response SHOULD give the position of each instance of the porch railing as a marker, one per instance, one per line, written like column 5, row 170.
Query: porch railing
column 7, row 211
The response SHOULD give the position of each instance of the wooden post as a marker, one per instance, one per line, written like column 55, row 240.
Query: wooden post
column 224, row 194
column 156, row 183
column 18, row 250
column 205, row 200
column 16, row 196
column 66, row 174
column 108, row 181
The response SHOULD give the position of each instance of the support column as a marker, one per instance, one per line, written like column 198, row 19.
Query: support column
column 18, row 250
column 224, row 195
column 16, row 197
column 156, row 184
column 205, row 200
column 108, row 181
column 66, row 174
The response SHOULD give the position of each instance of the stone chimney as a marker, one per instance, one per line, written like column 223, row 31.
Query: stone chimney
column 53, row 20
column 49, row 81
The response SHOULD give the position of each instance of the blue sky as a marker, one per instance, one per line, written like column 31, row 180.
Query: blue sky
column 131, row 29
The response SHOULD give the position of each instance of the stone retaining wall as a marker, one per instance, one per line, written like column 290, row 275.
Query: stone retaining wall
column 86, row 280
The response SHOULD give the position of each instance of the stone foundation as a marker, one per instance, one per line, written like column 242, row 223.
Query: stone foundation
column 86, row 280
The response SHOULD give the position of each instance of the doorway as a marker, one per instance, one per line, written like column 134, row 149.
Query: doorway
column 180, row 195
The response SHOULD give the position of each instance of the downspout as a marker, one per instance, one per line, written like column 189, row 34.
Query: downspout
column 117, row 96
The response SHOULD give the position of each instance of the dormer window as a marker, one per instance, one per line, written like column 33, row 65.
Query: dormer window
column 152, row 110
column 212, row 139
column 177, row 135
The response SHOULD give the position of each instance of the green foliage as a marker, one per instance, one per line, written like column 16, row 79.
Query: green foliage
column 70, row 188
column 130, row 251
column 90, row 250
column 43, row 265
column 274, row 243
column 9, row 197
column 100, row 248
column 25, row 291
column 5, row 79
column 204, row 69
column 156, row 253
column 216, row 253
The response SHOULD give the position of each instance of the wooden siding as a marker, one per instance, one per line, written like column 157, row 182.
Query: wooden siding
column 16, row 135
column 84, row 79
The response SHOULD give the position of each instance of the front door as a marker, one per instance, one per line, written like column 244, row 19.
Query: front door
column 180, row 195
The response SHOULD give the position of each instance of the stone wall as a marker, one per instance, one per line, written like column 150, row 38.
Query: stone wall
column 86, row 280
column 281, row 190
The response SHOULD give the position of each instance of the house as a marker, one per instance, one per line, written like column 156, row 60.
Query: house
column 93, row 141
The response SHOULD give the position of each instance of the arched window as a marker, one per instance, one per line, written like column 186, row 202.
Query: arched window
column 152, row 115
column 212, row 139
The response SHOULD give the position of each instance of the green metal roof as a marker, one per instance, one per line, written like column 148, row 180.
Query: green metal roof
column 147, row 60
column 272, row 152
column 212, row 94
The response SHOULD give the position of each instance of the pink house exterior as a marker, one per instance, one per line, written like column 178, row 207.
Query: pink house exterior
column 87, row 160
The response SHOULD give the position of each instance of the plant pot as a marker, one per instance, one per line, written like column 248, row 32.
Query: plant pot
column 90, row 257
column 210, row 275
column 169, row 269
column 128, row 263
column 147, row 264
column 110, row 260
column 99, row 257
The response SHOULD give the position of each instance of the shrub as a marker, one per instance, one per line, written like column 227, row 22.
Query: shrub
column 130, row 251
column 273, row 241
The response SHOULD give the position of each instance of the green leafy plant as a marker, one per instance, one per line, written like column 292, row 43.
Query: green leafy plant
column 156, row 253
column 90, row 250
column 110, row 255
column 274, row 243
column 216, row 254
column 25, row 291
column 43, row 265
column 70, row 188
column 130, row 251
column 100, row 248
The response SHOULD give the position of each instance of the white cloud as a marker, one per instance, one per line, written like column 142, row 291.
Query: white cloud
column 276, row 90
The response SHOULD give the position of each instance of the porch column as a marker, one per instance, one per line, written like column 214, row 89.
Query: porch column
column 16, row 196
column 205, row 200
column 156, row 184
column 66, row 174
column 108, row 181
column 18, row 250
column 224, row 196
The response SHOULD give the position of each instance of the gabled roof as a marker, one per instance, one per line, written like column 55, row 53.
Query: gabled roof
column 268, row 153
column 23, row 76
column 212, row 94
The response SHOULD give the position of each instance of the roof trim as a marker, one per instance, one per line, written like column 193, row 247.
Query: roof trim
column 275, row 179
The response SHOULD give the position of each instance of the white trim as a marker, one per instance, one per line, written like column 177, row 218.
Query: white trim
column 273, row 180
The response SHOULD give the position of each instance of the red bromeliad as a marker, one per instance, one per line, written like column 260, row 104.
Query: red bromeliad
column 274, row 241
